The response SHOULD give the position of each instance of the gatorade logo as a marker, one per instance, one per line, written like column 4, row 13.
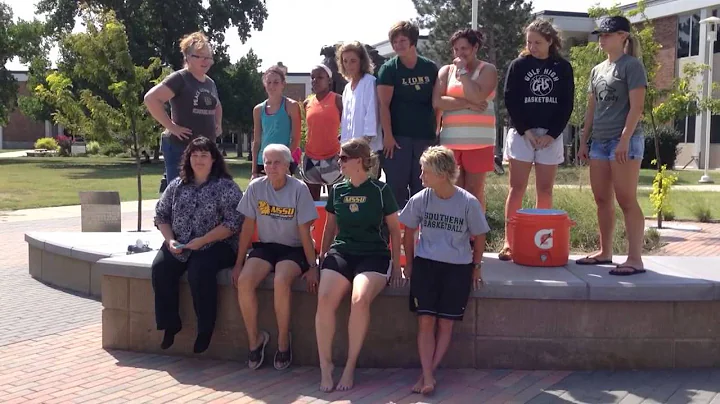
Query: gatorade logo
column 544, row 239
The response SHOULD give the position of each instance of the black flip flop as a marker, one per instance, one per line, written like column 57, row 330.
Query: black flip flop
column 634, row 271
column 592, row 261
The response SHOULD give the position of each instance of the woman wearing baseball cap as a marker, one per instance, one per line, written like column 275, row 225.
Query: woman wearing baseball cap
column 612, row 124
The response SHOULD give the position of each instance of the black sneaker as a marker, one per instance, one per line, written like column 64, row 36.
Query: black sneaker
column 283, row 359
column 256, row 357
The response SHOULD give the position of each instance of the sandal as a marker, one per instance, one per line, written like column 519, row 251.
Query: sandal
column 283, row 359
column 588, row 260
column 634, row 271
column 256, row 357
column 505, row 254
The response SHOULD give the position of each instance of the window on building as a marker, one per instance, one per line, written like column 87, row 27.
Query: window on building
column 688, row 35
column 716, row 48
column 715, row 129
column 686, row 126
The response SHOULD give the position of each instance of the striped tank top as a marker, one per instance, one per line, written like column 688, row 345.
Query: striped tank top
column 276, row 128
column 465, row 129
column 323, row 125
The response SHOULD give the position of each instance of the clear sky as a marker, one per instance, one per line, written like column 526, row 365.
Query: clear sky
column 296, row 29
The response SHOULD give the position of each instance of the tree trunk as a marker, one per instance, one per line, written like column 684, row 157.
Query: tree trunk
column 138, row 167
column 659, row 164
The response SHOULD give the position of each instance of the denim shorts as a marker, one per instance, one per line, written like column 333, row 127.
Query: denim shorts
column 604, row 149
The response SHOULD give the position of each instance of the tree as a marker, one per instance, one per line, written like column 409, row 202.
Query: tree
column 154, row 27
column 23, row 39
column 101, row 58
column 501, row 21
column 240, row 88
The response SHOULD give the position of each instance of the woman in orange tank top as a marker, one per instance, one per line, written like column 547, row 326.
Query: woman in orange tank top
column 464, row 94
column 323, row 110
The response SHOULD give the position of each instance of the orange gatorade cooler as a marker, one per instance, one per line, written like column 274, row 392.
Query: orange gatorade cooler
column 319, row 226
column 541, row 237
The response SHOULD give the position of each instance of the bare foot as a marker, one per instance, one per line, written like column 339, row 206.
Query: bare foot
column 428, row 388
column 347, row 380
column 417, row 388
column 326, row 380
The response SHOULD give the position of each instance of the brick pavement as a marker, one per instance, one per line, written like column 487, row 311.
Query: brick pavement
column 50, row 352
column 685, row 242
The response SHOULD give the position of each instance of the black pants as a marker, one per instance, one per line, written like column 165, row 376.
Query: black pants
column 202, row 268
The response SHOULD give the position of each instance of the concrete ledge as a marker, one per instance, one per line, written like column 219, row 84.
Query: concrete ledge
column 572, row 317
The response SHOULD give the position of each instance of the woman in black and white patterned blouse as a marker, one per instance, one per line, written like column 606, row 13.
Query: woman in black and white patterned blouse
column 197, row 217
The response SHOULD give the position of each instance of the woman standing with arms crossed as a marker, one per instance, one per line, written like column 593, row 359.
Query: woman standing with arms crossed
column 464, row 92
column 539, row 96
column 355, row 256
column 275, row 121
column 615, row 107
column 194, row 104
column 323, row 112
column 359, row 98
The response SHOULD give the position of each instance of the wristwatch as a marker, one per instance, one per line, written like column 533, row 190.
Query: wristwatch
column 477, row 265
column 462, row 72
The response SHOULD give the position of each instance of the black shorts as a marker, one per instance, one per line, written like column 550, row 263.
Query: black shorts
column 440, row 289
column 260, row 168
column 349, row 265
column 273, row 253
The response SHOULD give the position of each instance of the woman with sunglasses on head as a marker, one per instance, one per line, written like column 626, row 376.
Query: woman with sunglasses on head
column 355, row 256
column 323, row 110
column 612, row 123
column 539, row 96
column 276, row 120
column 195, row 108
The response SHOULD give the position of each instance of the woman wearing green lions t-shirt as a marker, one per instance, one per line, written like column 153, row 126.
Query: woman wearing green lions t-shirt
column 615, row 106
column 354, row 256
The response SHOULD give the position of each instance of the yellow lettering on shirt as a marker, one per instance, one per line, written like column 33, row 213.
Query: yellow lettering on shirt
column 278, row 212
column 354, row 199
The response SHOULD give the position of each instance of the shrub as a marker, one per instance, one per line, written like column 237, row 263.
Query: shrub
column 669, row 141
column 65, row 144
column 112, row 149
column 701, row 210
column 92, row 147
column 46, row 143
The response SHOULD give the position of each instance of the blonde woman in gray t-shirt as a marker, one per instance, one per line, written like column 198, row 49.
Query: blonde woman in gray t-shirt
column 445, row 263
column 615, row 106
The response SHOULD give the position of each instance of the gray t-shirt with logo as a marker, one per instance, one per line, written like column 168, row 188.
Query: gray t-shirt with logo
column 193, row 105
column 278, row 213
column 446, row 225
column 610, row 84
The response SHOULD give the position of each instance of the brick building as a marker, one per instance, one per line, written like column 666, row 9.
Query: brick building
column 21, row 132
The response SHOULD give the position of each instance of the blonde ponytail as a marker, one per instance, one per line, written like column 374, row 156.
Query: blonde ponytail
column 632, row 47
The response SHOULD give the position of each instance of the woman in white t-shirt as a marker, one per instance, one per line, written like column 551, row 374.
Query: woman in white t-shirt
column 359, row 98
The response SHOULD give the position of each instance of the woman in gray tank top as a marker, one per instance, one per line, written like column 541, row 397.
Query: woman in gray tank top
column 615, row 105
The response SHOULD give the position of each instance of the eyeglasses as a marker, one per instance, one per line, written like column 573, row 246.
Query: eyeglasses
column 205, row 58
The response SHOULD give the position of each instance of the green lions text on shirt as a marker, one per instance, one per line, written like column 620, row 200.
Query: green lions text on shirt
column 411, row 107
column 360, row 213
column 610, row 85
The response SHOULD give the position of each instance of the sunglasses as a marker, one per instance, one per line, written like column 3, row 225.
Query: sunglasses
column 345, row 158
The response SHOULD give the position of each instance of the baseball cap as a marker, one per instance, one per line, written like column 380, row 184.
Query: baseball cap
column 612, row 24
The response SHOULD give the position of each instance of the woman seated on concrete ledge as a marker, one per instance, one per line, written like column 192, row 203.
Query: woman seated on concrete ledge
column 357, row 259
column 446, row 265
column 197, row 216
column 283, row 210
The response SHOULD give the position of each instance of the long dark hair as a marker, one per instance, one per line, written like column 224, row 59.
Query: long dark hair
column 219, row 168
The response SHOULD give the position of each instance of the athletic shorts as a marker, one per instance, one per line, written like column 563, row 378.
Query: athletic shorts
column 475, row 161
column 273, row 253
column 518, row 147
column 440, row 289
column 321, row 172
column 349, row 265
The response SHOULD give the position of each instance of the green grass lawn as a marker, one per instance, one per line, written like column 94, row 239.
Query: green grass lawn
column 55, row 181
column 685, row 203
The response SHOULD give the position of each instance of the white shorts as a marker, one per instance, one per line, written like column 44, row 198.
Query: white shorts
column 517, row 147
